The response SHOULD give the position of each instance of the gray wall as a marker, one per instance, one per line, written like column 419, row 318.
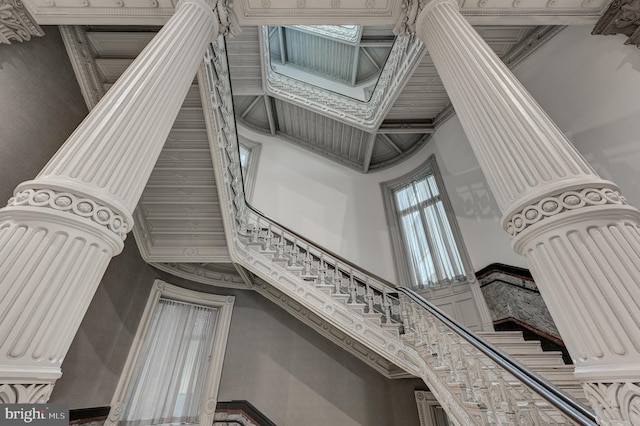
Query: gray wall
column 40, row 105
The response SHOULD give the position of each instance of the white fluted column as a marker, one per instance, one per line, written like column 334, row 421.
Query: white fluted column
column 581, row 238
column 60, row 230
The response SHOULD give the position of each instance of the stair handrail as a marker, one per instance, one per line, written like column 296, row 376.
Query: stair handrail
column 563, row 402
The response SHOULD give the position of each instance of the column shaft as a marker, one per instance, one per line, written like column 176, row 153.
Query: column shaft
column 60, row 230
column 582, row 240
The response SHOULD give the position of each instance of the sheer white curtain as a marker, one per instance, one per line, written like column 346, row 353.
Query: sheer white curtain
column 170, row 374
column 433, row 253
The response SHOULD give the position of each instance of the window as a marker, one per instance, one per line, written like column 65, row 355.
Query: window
column 249, row 156
column 173, row 369
column 426, row 242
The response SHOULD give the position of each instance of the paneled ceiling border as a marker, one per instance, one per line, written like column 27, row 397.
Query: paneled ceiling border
column 406, row 54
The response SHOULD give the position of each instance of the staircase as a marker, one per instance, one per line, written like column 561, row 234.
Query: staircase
column 334, row 296
column 471, row 387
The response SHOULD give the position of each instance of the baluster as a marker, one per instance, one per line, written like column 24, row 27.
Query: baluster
column 322, row 272
column 280, row 247
column 256, row 231
column 386, row 303
column 352, row 287
column 306, row 263
column 267, row 238
column 293, row 260
column 338, row 281
column 368, row 295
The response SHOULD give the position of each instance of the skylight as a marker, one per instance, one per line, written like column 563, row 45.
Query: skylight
column 346, row 59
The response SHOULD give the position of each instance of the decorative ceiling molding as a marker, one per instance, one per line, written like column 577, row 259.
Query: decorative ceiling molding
column 216, row 274
column 15, row 23
column 83, row 63
column 622, row 17
column 316, row 12
column 347, row 34
column 405, row 56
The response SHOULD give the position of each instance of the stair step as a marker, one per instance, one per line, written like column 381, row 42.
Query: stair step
column 521, row 348
column 281, row 262
column 341, row 298
column 499, row 337
column 391, row 328
column 325, row 288
column 357, row 307
column 374, row 317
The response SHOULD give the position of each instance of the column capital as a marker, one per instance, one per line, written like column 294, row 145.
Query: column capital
column 15, row 23
column 411, row 11
column 226, row 17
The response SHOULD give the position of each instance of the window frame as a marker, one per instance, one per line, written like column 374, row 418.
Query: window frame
column 224, row 305
column 252, row 165
column 401, row 258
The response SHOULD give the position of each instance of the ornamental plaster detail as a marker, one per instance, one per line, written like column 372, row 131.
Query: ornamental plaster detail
column 84, row 66
column 622, row 17
column 339, row 32
column 228, row 22
column 410, row 10
column 201, row 273
column 615, row 403
column 405, row 55
column 68, row 202
column 566, row 201
column 15, row 23
column 25, row 393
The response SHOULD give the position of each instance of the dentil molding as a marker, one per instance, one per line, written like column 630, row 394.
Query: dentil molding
column 15, row 23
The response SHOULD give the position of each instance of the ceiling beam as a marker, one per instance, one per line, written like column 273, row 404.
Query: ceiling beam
column 252, row 105
column 283, row 52
column 356, row 63
column 270, row 115
column 370, row 58
column 391, row 143
column 406, row 127
column 376, row 43
column 368, row 155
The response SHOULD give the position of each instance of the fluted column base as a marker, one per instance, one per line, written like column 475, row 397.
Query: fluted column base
column 51, row 262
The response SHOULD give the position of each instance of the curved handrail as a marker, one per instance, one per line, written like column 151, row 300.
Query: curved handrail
column 570, row 407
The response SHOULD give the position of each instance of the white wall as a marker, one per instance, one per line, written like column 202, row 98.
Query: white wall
column 591, row 88
column 588, row 84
